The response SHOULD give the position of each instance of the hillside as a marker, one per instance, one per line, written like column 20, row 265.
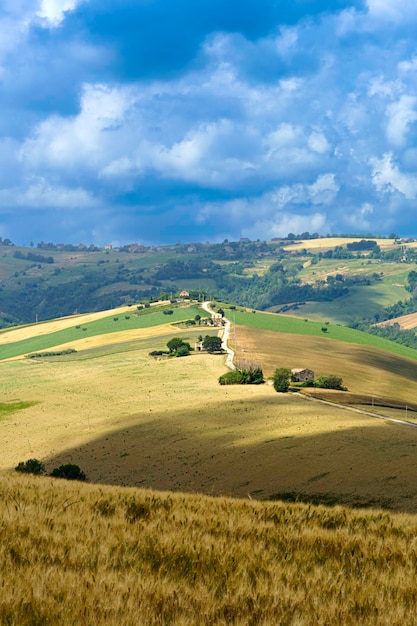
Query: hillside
column 83, row 554
column 146, row 541
column 339, row 280
column 129, row 419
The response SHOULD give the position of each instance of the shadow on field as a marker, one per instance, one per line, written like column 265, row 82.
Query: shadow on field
column 233, row 449
column 407, row 368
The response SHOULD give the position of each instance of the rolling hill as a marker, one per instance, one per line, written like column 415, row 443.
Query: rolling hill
column 146, row 541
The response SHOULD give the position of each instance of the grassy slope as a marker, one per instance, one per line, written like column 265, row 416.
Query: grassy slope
column 362, row 301
column 128, row 419
column 81, row 554
column 104, row 326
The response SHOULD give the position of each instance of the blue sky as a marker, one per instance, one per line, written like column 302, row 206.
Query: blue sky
column 164, row 120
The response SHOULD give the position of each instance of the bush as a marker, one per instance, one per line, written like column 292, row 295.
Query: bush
column 252, row 376
column 183, row 350
column 158, row 353
column 282, row 379
column 69, row 471
column 330, row 382
column 242, row 377
column 231, row 378
column 168, row 312
column 32, row 466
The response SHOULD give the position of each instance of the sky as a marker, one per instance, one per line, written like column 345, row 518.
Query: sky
column 157, row 121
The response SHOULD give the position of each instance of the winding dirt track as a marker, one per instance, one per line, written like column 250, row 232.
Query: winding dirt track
column 224, row 332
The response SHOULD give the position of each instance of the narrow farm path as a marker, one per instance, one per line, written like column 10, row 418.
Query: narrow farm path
column 224, row 332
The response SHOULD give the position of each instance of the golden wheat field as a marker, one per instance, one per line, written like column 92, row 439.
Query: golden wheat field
column 325, row 243
column 76, row 554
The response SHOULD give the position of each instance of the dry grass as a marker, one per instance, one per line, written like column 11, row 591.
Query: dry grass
column 406, row 322
column 10, row 335
column 127, row 419
column 364, row 370
column 331, row 242
column 82, row 554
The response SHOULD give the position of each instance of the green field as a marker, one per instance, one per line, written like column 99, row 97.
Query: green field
column 128, row 321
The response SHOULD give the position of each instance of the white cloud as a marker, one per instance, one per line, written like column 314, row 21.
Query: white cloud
column 360, row 219
column 387, row 177
column 286, row 41
column 408, row 66
column 392, row 10
column 401, row 115
column 53, row 11
column 284, row 223
column 380, row 87
column 40, row 194
column 83, row 140
column 318, row 143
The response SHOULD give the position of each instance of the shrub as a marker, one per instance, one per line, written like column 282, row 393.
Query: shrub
column 282, row 379
column 158, row 353
column 36, row 355
column 330, row 382
column 168, row 312
column 69, row 471
column 183, row 350
column 231, row 378
column 242, row 377
column 32, row 466
column 252, row 376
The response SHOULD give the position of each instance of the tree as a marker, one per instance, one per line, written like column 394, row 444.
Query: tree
column 69, row 471
column 183, row 350
column 212, row 344
column 32, row 466
column 178, row 347
column 330, row 382
column 174, row 343
column 282, row 379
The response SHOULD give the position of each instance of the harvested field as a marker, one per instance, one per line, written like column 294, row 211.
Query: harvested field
column 364, row 370
column 325, row 243
column 406, row 322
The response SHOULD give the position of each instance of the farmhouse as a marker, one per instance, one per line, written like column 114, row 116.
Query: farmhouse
column 184, row 294
column 302, row 374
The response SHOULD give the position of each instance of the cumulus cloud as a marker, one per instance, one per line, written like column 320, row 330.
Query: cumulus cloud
column 41, row 194
column 388, row 178
column 401, row 115
column 392, row 10
column 227, row 120
column 53, row 11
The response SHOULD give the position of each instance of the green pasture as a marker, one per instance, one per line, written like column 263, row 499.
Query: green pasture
column 362, row 301
column 113, row 323
column 283, row 324
column 392, row 272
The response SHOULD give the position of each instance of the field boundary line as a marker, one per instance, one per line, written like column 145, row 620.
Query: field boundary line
column 351, row 408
